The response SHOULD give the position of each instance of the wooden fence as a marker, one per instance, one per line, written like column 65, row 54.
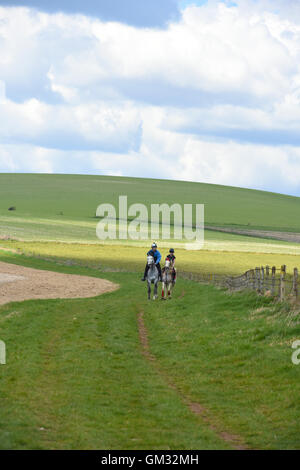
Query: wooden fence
column 264, row 280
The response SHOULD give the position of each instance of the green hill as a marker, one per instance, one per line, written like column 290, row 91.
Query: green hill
column 66, row 198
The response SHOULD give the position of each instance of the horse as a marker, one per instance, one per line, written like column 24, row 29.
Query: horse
column 168, row 280
column 152, row 277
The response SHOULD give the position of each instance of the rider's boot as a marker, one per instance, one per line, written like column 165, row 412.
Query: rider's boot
column 145, row 273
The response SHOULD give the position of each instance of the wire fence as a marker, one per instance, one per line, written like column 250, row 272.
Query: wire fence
column 272, row 281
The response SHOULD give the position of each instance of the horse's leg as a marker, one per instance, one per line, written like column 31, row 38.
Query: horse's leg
column 149, row 290
column 169, row 290
column 155, row 291
column 163, row 290
column 166, row 290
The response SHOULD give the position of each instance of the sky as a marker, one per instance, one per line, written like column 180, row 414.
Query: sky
column 190, row 90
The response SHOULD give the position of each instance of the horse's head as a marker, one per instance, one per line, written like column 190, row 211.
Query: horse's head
column 167, row 263
column 150, row 260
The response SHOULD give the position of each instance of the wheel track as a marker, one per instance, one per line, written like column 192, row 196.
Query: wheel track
column 196, row 408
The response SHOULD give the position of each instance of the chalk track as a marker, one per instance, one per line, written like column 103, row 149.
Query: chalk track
column 18, row 283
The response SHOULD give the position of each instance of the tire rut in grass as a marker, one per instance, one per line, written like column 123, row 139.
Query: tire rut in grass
column 196, row 408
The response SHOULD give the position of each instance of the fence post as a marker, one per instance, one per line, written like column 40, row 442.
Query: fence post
column 273, row 280
column 282, row 282
column 295, row 283
column 267, row 277
column 257, row 279
column 252, row 279
column 262, row 279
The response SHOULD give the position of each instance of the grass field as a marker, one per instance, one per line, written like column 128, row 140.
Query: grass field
column 61, row 208
column 64, row 206
column 76, row 375
column 132, row 259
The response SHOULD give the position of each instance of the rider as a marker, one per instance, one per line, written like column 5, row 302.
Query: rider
column 157, row 257
column 171, row 257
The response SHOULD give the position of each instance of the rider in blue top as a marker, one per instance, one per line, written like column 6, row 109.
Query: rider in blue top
column 157, row 257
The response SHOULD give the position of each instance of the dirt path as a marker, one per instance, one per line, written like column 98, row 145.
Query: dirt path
column 18, row 283
column 196, row 408
column 273, row 235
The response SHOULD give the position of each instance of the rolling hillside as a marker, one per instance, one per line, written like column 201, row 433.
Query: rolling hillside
column 77, row 196
column 62, row 207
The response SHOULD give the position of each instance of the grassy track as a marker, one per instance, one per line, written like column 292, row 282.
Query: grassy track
column 76, row 378
column 232, row 353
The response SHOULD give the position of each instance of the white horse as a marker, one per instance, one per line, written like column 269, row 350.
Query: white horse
column 168, row 280
column 152, row 277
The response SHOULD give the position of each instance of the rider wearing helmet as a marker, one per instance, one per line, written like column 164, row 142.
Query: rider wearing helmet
column 171, row 257
column 157, row 257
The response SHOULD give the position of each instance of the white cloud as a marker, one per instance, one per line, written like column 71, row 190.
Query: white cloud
column 214, row 97
column 2, row 92
column 102, row 125
column 22, row 158
column 256, row 166
column 213, row 49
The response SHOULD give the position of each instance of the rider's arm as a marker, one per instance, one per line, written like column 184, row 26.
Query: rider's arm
column 158, row 257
